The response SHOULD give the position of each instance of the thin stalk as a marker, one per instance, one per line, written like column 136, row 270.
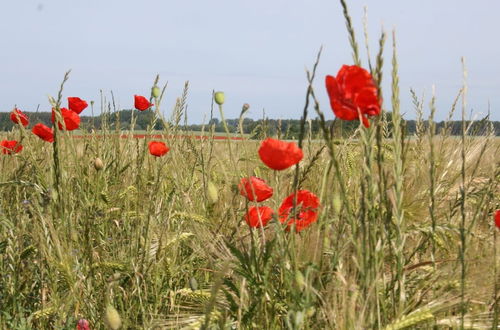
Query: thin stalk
column 463, row 238
column 432, row 175
column 398, row 212
column 228, row 135
column 352, row 36
column 55, row 146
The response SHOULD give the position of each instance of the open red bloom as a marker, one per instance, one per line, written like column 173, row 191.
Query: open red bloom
column 255, row 188
column 18, row 117
column 10, row 147
column 353, row 94
column 259, row 216
column 141, row 103
column 43, row 132
column 76, row 104
column 157, row 148
column 279, row 155
column 497, row 218
column 70, row 118
column 306, row 210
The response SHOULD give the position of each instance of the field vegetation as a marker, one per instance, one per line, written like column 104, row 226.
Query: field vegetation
column 99, row 229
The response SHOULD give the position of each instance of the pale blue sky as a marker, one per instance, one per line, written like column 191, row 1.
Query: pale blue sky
column 255, row 51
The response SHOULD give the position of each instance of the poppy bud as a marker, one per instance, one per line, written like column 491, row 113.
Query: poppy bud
column 337, row 204
column 299, row 279
column 245, row 107
column 299, row 318
column 212, row 193
column 155, row 91
column 112, row 318
column 98, row 164
column 193, row 284
column 219, row 98
column 115, row 277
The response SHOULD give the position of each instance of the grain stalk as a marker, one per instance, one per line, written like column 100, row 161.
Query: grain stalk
column 432, row 174
column 352, row 35
column 56, row 104
column 463, row 238
column 398, row 212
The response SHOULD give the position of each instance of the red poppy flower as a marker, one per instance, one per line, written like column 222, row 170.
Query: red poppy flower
column 83, row 324
column 353, row 94
column 157, row 148
column 43, row 132
column 279, row 155
column 255, row 188
column 306, row 212
column 141, row 103
column 18, row 117
column 76, row 104
column 71, row 119
column 497, row 218
column 259, row 216
column 10, row 147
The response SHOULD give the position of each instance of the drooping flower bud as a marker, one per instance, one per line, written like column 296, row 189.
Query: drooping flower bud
column 112, row 318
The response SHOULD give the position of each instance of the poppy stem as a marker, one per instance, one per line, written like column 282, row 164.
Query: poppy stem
column 228, row 134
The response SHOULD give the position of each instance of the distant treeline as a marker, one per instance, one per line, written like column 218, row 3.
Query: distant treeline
column 287, row 128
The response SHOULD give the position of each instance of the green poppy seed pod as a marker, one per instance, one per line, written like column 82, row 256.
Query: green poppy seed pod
column 112, row 318
column 219, row 98
column 98, row 164
column 212, row 193
column 155, row 91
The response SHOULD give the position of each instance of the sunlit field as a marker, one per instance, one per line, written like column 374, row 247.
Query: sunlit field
column 103, row 229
